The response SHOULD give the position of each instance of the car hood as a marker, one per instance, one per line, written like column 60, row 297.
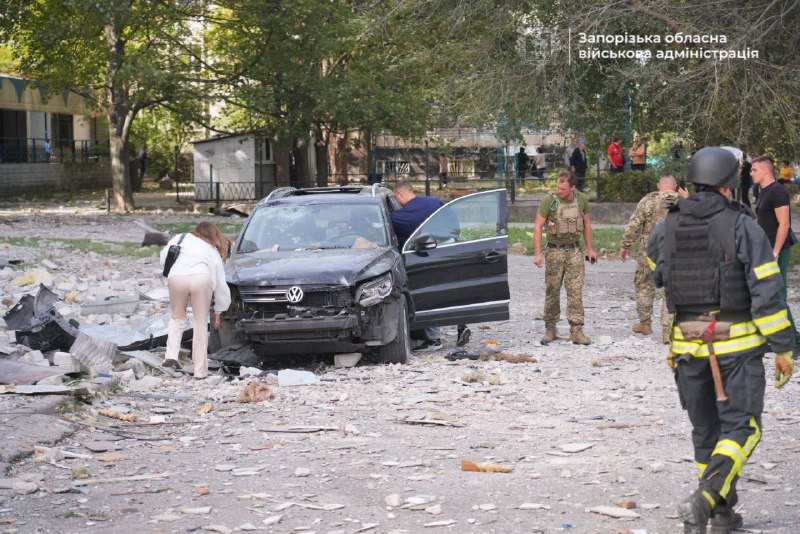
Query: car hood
column 332, row 266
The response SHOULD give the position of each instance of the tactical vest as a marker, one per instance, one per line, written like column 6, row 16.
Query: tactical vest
column 568, row 220
column 702, row 272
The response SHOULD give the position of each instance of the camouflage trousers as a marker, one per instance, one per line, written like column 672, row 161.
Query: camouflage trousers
column 646, row 292
column 563, row 266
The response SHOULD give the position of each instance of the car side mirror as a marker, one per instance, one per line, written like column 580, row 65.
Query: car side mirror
column 424, row 242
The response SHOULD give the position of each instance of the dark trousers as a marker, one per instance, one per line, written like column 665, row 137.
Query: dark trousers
column 638, row 166
column 442, row 179
column 616, row 169
column 724, row 434
column 580, row 180
column 745, row 189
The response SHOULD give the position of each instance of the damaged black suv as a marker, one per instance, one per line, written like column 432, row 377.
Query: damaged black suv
column 319, row 271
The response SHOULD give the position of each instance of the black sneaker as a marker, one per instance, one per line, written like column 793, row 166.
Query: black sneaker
column 172, row 364
column 429, row 346
column 463, row 335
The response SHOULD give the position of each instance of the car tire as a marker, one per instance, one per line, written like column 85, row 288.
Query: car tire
column 398, row 350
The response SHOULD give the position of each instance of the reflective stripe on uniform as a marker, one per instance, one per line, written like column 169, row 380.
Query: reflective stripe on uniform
column 734, row 451
column 701, row 468
column 773, row 323
column 737, row 330
column 651, row 263
column 767, row 269
column 698, row 349
column 754, row 438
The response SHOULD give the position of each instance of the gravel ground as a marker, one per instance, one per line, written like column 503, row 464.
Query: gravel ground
column 582, row 427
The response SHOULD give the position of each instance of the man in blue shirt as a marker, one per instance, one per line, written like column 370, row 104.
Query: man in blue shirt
column 415, row 210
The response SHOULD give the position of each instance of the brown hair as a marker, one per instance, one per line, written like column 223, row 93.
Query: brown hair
column 404, row 184
column 567, row 177
column 209, row 233
column 770, row 163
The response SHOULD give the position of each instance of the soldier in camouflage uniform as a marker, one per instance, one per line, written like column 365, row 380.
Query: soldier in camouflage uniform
column 651, row 210
column 564, row 214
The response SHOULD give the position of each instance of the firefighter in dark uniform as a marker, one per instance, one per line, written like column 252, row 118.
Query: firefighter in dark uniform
column 717, row 268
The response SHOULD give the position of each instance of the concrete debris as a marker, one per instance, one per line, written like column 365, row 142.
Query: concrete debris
column 12, row 372
column 616, row 512
column 151, row 360
column 245, row 371
column 532, row 506
column 575, row 447
column 346, row 360
column 93, row 353
column 272, row 520
column 394, row 500
column 292, row 377
column 576, row 436
column 255, row 392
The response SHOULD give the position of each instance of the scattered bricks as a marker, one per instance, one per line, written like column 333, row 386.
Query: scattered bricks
column 65, row 361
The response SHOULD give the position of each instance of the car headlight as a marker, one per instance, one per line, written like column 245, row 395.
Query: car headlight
column 374, row 291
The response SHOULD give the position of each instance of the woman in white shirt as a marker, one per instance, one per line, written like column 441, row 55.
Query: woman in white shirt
column 198, row 274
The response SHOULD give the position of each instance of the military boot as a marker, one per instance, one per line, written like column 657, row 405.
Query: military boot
column 724, row 519
column 642, row 328
column 665, row 335
column 726, row 522
column 695, row 512
column 577, row 337
column 549, row 334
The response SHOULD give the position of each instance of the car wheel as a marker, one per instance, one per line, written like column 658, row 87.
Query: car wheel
column 398, row 350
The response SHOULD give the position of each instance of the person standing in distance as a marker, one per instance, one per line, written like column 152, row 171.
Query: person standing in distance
column 615, row 159
column 775, row 217
column 198, row 274
column 564, row 214
column 722, row 282
column 578, row 164
column 650, row 211
column 638, row 155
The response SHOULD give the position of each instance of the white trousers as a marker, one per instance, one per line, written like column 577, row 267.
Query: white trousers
column 196, row 287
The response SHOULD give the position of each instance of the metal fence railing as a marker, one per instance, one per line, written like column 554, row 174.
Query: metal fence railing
column 34, row 150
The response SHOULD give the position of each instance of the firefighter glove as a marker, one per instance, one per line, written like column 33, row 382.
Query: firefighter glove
column 784, row 366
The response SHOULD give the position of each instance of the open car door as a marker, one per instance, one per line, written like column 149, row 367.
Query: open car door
column 457, row 262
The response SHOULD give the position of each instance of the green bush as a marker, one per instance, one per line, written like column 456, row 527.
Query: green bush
column 628, row 186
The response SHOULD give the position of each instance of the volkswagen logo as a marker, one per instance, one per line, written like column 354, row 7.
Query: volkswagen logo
column 294, row 294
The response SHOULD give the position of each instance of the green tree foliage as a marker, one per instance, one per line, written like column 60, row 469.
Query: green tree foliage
column 293, row 68
column 123, row 57
column 520, row 60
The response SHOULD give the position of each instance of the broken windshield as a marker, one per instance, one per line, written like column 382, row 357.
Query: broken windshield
column 280, row 228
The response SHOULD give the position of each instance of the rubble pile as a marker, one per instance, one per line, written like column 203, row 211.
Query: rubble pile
column 504, row 436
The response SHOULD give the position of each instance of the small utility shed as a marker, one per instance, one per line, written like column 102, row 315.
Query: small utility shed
column 235, row 167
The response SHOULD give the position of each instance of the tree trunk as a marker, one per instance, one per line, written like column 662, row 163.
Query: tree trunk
column 282, row 161
column 340, row 158
column 322, row 138
column 119, row 122
column 302, row 172
column 120, row 170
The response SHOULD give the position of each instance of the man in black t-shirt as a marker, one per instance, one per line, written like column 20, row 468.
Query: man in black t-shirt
column 774, row 216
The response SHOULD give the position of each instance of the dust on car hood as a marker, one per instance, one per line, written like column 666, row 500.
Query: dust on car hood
column 315, row 266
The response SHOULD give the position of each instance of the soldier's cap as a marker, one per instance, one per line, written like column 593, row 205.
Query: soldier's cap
column 715, row 167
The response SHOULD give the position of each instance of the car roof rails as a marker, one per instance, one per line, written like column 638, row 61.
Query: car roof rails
column 279, row 192
column 324, row 190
